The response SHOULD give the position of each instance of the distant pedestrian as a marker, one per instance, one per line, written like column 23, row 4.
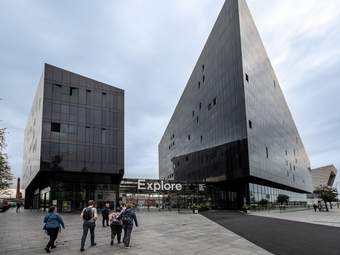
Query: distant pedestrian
column 53, row 222
column 116, row 225
column 18, row 207
column 315, row 207
column 89, row 216
column 128, row 216
column 319, row 206
column 105, row 214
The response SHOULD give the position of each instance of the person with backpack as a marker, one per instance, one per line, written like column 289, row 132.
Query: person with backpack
column 53, row 222
column 116, row 225
column 105, row 214
column 89, row 216
column 128, row 216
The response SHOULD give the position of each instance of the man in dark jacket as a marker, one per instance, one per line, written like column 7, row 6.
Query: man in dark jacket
column 53, row 222
column 105, row 214
column 128, row 216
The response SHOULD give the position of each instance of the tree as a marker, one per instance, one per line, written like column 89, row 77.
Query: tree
column 327, row 194
column 263, row 202
column 282, row 199
column 5, row 171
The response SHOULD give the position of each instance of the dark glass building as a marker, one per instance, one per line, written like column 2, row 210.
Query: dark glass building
column 74, row 142
column 232, row 126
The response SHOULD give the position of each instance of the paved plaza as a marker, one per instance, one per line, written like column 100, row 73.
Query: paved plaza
column 331, row 218
column 159, row 233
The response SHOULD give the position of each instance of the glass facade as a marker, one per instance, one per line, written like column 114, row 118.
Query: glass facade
column 74, row 141
column 232, row 125
column 264, row 196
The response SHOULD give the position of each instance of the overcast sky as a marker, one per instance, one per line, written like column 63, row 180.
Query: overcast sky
column 149, row 48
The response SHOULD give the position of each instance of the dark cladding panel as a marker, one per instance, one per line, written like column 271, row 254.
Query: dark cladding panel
column 276, row 151
column 221, row 163
column 68, row 112
column 211, row 110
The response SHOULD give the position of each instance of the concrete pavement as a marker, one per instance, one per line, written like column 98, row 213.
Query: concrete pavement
column 159, row 233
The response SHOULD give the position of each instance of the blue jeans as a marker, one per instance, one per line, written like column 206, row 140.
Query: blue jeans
column 87, row 225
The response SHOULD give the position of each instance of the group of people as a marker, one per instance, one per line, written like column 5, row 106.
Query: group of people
column 120, row 219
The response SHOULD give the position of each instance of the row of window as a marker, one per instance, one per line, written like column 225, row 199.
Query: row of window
column 73, row 93
column 260, row 192
column 72, row 130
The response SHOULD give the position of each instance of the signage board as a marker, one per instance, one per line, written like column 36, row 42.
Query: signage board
column 158, row 186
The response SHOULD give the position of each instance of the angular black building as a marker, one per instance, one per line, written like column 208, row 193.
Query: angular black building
column 232, row 126
column 74, row 142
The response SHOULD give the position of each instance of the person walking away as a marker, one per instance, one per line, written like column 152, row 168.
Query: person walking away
column 116, row 226
column 53, row 222
column 128, row 216
column 89, row 216
column 18, row 207
column 105, row 214
column 315, row 207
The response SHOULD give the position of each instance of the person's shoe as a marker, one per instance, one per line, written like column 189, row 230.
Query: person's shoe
column 94, row 244
column 111, row 242
column 53, row 247
column 82, row 249
column 47, row 250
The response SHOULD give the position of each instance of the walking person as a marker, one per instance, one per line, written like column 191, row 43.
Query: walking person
column 53, row 222
column 128, row 216
column 116, row 225
column 105, row 214
column 18, row 207
column 315, row 207
column 89, row 216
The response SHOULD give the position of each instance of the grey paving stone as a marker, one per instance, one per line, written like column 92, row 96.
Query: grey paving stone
column 165, row 233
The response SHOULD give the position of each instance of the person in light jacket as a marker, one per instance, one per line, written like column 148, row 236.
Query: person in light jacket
column 53, row 223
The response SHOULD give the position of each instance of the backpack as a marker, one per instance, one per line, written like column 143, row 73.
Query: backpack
column 87, row 215
column 115, row 219
column 127, row 218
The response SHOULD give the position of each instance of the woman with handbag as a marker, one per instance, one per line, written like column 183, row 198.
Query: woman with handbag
column 116, row 226
column 53, row 223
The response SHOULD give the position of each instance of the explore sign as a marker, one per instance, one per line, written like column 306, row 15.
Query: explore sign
column 158, row 186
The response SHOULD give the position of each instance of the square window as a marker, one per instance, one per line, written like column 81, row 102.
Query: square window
column 55, row 127
column 73, row 91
